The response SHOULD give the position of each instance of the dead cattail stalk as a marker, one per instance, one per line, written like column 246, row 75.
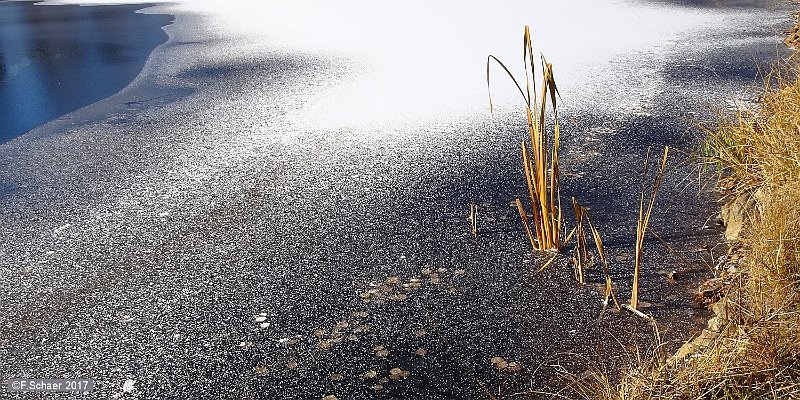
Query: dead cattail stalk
column 598, row 242
column 525, row 223
column 637, row 312
column 473, row 219
column 643, row 221
column 581, row 252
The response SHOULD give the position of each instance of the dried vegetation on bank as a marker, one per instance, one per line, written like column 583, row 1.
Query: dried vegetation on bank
column 751, row 348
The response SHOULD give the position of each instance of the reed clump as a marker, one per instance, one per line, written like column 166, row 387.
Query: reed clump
column 544, row 224
column 539, row 152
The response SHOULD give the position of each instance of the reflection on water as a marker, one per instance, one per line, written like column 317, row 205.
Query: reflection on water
column 57, row 59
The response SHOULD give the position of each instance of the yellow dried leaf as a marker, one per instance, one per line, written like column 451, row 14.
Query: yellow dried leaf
column 341, row 325
column 514, row 366
column 399, row 297
column 370, row 374
column 380, row 351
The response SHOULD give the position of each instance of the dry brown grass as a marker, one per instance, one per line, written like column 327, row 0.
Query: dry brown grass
column 757, row 352
column 759, row 149
column 793, row 35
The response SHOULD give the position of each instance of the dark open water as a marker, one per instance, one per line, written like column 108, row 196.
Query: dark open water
column 57, row 59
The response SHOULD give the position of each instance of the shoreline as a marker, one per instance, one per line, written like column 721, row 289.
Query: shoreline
column 80, row 70
column 748, row 347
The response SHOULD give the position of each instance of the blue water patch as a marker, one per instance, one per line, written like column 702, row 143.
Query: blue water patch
column 57, row 59
column 5, row 189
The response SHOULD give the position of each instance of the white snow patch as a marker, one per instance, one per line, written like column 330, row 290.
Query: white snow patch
column 128, row 386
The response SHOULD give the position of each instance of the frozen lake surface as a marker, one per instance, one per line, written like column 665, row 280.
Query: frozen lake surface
column 215, row 227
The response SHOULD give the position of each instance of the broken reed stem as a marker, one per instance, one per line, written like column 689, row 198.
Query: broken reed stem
column 581, row 213
column 539, row 159
column 601, row 251
column 637, row 312
column 634, row 301
column 642, row 223
column 524, row 218
column 547, row 264
column 581, row 253
column 473, row 219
